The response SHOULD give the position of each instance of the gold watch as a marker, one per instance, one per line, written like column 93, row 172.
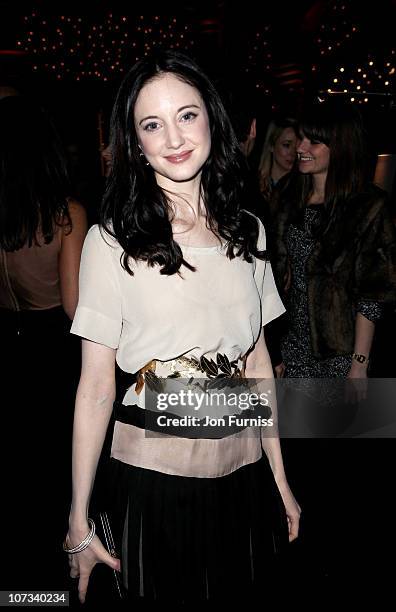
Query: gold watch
column 360, row 358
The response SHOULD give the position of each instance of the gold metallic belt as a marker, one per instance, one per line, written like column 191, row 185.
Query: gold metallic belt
column 189, row 367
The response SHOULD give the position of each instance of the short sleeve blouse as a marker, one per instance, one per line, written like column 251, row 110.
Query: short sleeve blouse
column 218, row 308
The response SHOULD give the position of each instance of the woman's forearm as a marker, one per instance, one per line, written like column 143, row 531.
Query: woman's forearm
column 91, row 419
column 70, row 256
column 259, row 367
column 364, row 333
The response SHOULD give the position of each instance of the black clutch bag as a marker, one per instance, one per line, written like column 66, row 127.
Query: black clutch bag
column 104, row 532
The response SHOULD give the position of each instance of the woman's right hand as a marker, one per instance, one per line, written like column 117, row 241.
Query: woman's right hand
column 292, row 508
column 81, row 564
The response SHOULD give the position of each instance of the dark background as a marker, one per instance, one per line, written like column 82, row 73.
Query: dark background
column 288, row 51
column 276, row 46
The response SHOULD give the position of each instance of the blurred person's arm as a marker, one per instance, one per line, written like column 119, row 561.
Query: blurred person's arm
column 70, row 255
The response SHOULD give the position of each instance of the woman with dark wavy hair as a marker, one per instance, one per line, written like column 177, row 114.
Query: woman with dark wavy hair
column 42, row 230
column 334, row 246
column 175, row 285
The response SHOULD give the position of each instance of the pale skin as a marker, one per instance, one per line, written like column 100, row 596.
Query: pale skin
column 165, row 105
column 283, row 154
column 106, row 157
column 179, row 123
column 258, row 366
column 70, row 255
column 248, row 144
column 94, row 404
column 314, row 159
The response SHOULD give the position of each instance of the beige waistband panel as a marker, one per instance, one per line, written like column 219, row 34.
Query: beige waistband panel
column 198, row 458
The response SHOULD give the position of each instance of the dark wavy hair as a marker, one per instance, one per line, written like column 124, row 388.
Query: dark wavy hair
column 137, row 212
column 34, row 183
column 338, row 125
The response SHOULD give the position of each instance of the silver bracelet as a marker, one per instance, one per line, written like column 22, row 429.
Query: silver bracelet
column 85, row 543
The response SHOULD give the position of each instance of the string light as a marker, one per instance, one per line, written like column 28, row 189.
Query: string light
column 377, row 81
column 344, row 29
column 102, row 48
column 104, row 42
column 257, row 57
column 369, row 74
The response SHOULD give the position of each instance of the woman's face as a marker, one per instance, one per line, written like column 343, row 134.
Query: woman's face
column 284, row 151
column 172, row 128
column 313, row 156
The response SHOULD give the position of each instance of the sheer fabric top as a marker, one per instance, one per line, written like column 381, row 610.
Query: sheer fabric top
column 29, row 277
column 219, row 308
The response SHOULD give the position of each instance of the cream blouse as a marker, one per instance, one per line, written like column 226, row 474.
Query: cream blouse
column 219, row 308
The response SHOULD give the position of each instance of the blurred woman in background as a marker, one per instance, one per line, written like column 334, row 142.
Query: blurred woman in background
column 42, row 230
column 334, row 248
column 279, row 154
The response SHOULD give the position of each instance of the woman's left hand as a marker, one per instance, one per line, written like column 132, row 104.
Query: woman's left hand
column 357, row 382
column 293, row 510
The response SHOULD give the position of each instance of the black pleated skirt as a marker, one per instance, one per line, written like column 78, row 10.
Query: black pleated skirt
column 189, row 540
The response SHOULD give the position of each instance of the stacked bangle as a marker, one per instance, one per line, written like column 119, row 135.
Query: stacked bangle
column 85, row 543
